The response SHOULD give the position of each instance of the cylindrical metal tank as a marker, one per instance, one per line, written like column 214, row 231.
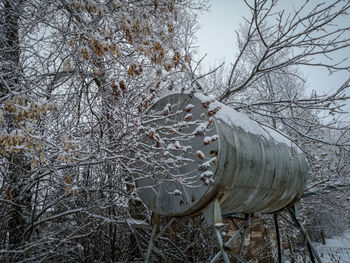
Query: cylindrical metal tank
column 196, row 150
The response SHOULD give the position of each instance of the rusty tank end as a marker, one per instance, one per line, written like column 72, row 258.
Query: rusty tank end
column 205, row 150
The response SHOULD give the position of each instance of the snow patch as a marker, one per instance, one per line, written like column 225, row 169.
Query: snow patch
column 241, row 120
column 336, row 249
column 207, row 174
column 209, row 139
column 189, row 107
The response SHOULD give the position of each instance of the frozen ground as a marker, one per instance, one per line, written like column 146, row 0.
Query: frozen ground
column 336, row 249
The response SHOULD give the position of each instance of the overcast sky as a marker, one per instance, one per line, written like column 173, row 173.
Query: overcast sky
column 216, row 38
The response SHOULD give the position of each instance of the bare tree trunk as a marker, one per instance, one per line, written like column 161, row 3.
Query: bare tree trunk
column 9, row 46
column 17, row 173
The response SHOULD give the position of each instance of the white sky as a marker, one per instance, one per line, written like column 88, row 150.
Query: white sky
column 216, row 38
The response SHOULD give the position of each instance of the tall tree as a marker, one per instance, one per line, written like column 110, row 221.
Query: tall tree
column 75, row 80
column 16, row 166
column 266, row 81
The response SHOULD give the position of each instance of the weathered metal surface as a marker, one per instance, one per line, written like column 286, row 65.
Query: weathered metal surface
column 207, row 151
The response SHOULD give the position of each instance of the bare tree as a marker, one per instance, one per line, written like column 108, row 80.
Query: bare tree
column 266, row 81
column 76, row 77
column 299, row 37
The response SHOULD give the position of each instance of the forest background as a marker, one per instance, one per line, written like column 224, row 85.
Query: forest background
column 76, row 79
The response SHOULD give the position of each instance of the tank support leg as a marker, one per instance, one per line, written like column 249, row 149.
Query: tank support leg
column 155, row 223
column 235, row 236
column 278, row 238
column 213, row 217
column 311, row 248
column 248, row 217
column 154, row 237
column 164, row 229
column 221, row 245
column 150, row 245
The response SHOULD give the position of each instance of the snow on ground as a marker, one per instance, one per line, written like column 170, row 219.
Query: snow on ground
column 336, row 249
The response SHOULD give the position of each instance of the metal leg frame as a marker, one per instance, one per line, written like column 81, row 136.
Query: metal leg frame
column 244, row 234
column 275, row 217
column 235, row 236
column 217, row 256
column 212, row 215
column 150, row 245
column 133, row 231
column 311, row 248
column 221, row 245
column 154, row 237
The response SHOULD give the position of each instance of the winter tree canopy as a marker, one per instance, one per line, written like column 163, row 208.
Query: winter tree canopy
column 76, row 79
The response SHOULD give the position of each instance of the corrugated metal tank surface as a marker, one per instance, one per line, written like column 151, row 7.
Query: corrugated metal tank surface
column 214, row 152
